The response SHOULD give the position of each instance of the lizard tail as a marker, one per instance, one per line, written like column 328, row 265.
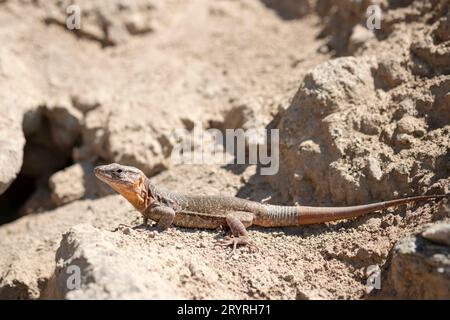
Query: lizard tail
column 300, row 215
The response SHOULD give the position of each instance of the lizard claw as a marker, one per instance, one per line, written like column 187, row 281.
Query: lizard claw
column 234, row 241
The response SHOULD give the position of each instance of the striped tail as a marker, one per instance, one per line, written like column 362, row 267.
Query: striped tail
column 279, row 216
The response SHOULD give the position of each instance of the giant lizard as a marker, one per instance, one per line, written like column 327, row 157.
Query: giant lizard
column 168, row 207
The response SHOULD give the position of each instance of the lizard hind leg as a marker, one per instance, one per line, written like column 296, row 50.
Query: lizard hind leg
column 237, row 222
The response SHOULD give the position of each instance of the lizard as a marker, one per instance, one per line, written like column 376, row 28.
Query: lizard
column 210, row 212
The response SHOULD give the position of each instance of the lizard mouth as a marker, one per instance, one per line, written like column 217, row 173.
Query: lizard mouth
column 103, row 175
column 98, row 173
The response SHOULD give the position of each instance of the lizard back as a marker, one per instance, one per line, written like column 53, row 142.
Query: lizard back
column 214, row 205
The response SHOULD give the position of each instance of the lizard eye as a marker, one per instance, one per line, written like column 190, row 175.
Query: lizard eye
column 119, row 170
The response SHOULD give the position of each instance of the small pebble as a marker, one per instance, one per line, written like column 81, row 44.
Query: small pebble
column 126, row 231
column 288, row 277
column 386, row 223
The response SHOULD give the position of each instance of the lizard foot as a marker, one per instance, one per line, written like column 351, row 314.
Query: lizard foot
column 234, row 241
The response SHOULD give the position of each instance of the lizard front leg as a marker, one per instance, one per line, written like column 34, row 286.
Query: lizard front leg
column 235, row 222
column 165, row 215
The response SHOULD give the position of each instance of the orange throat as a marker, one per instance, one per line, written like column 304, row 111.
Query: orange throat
column 133, row 195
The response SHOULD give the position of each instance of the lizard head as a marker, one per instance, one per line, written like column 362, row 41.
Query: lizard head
column 128, row 181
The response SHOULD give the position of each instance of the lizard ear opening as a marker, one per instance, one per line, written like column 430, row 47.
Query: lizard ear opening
column 144, row 197
column 141, row 182
column 141, row 187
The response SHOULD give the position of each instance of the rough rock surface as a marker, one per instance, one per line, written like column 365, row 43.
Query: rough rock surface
column 438, row 233
column 372, row 126
column 366, row 128
column 28, row 246
column 102, row 256
column 419, row 268
column 107, row 22
column 92, row 111
column 12, row 142
column 74, row 183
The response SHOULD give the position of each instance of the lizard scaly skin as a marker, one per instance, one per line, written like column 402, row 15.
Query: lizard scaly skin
column 168, row 207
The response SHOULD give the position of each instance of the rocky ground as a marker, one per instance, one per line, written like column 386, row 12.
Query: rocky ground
column 363, row 116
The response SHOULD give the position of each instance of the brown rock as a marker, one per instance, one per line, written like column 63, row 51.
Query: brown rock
column 74, row 183
column 96, row 258
column 418, row 269
column 12, row 142
column 438, row 233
